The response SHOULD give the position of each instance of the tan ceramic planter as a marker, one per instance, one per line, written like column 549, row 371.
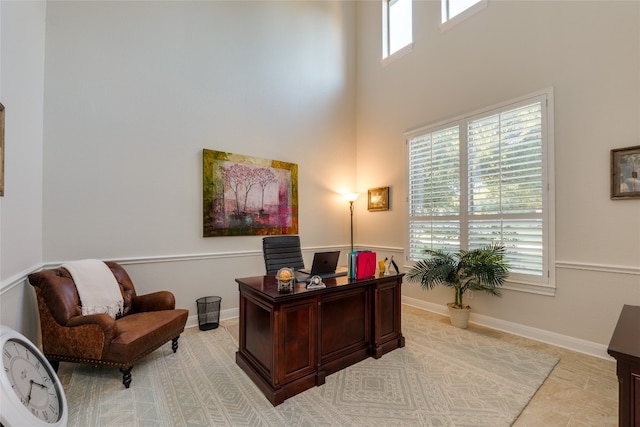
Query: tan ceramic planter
column 459, row 316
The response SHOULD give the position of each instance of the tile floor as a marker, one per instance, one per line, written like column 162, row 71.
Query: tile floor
column 581, row 391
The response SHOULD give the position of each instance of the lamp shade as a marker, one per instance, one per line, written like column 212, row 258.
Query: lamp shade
column 351, row 197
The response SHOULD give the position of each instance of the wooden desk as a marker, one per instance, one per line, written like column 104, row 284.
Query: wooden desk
column 289, row 342
column 625, row 347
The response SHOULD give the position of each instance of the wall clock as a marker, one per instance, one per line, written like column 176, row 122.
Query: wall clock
column 30, row 389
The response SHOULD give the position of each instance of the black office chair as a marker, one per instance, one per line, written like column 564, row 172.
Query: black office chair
column 282, row 251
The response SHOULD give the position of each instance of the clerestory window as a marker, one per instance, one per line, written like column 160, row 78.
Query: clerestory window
column 454, row 11
column 397, row 28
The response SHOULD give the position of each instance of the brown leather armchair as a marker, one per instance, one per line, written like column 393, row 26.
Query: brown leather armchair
column 148, row 321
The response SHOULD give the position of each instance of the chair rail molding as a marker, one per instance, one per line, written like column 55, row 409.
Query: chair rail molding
column 19, row 278
column 603, row 268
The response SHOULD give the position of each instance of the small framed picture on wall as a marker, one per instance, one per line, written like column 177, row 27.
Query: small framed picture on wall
column 625, row 173
column 378, row 199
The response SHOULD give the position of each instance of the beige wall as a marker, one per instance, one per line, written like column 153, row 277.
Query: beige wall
column 589, row 52
column 22, row 34
column 133, row 91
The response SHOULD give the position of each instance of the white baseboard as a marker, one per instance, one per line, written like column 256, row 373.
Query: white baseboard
column 559, row 340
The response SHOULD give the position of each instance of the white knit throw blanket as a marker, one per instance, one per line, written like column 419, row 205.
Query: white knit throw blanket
column 97, row 287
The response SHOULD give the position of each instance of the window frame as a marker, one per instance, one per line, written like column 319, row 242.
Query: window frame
column 546, row 283
column 462, row 16
column 387, row 55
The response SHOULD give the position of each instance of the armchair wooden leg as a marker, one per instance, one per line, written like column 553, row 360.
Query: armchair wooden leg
column 126, row 376
column 174, row 344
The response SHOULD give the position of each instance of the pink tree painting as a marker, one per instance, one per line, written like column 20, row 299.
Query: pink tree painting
column 248, row 196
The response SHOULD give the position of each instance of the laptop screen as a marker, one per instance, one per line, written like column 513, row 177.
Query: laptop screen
column 324, row 262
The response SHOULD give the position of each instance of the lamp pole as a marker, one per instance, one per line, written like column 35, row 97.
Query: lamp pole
column 351, row 197
column 351, row 210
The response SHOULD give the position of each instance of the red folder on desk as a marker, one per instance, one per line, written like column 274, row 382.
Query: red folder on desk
column 365, row 265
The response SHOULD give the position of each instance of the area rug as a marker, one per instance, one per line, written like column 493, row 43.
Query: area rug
column 443, row 377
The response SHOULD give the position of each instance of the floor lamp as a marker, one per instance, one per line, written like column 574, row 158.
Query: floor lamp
column 351, row 197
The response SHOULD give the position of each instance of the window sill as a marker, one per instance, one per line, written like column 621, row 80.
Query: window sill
column 463, row 16
column 397, row 55
column 531, row 288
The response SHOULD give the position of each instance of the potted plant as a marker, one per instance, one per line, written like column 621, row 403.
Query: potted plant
column 482, row 269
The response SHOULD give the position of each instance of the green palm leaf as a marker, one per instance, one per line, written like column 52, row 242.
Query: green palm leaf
column 483, row 269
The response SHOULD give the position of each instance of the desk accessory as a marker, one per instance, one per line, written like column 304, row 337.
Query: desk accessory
column 362, row 264
column 395, row 265
column 286, row 279
column 316, row 283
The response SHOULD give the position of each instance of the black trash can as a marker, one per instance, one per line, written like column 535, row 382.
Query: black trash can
column 208, row 312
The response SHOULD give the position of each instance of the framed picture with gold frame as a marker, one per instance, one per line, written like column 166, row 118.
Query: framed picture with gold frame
column 625, row 173
column 378, row 199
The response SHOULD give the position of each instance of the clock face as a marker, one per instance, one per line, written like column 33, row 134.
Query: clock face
column 31, row 380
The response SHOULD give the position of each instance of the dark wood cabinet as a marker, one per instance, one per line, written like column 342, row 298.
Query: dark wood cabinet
column 625, row 348
column 289, row 342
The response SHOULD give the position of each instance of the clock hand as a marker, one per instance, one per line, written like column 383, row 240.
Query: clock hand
column 29, row 393
column 38, row 384
column 31, row 383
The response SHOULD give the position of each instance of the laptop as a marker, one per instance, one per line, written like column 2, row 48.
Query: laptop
column 324, row 265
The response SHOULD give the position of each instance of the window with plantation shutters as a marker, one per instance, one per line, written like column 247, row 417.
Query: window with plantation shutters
column 486, row 178
column 434, row 189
